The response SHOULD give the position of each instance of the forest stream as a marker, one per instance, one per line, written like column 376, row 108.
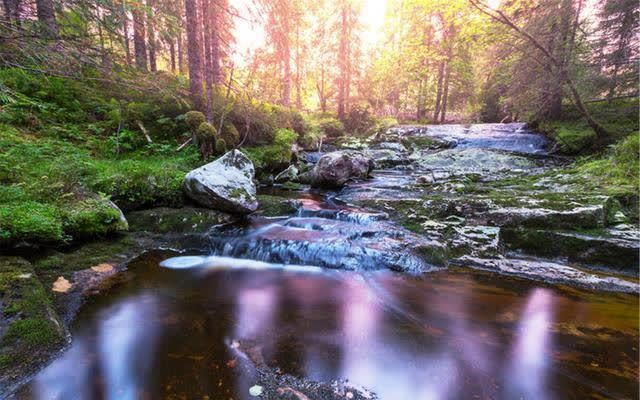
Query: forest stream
column 335, row 297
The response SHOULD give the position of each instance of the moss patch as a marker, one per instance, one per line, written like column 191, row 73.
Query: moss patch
column 32, row 326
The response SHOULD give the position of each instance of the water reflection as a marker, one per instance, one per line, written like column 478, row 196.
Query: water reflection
column 120, row 352
column 529, row 362
column 166, row 334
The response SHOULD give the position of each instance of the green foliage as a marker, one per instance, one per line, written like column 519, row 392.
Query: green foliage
column 230, row 134
column 574, row 136
column 330, row 127
column 275, row 157
column 358, row 120
column 194, row 119
column 221, row 146
column 206, row 131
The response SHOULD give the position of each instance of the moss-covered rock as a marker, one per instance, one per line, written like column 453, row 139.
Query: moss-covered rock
column 177, row 220
column 31, row 327
column 275, row 206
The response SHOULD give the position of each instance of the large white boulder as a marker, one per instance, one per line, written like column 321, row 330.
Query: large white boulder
column 225, row 184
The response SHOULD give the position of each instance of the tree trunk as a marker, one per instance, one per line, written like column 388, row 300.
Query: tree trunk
column 151, row 35
column 139, row 44
column 436, row 112
column 208, row 71
column 445, row 92
column 298, row 89
column 47, row 19
column 12, row 11
column 172, row 54
column 125, row 33
column 216, row 34
column 194, row 53
column 342, row 62
column 180, row 54
column 286, row 60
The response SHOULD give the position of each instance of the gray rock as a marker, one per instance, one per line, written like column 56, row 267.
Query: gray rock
column 550, row 272
column 386, row 158
column 395, row 146
column 290, row 174
column 472, row 160
column 225, row 184
column 337, row 168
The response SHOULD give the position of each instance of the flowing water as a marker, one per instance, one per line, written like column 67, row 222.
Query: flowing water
column 316, row 296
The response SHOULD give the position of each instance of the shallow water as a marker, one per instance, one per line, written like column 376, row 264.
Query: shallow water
column 457, row 334
column 514, row 137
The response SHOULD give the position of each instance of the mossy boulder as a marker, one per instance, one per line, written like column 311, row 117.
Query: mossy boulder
column 225, row 184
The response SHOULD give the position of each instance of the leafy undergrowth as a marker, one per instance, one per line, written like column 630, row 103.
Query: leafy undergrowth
column 574, row 136
column 52, row 191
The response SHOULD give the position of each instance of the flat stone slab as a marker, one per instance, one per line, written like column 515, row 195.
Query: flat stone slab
column 549, row 272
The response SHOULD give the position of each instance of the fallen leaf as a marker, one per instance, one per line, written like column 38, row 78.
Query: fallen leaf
column 101, row 268
column 61, row 285
column 232, row 363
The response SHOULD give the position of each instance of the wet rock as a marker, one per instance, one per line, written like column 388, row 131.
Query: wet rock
column 474, row 160
column 549, row 272
column 225, row 184
column 271, row 383
column 337, row 168
column 275, row 206
column 395, row 146
column 177, row 220
column 605, row 248
column 290, row 174
column 582, row 216
column 386, row 158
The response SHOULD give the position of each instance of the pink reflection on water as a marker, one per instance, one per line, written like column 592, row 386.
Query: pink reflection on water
column 529, row 361
column 122, row 351
column 375, row 358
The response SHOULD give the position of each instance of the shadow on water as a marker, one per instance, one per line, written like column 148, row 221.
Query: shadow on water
column 165, row 333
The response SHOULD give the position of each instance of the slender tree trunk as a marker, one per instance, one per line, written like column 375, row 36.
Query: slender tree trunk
column 217, row 8
column 151, row 35
column 172, row 54
column 47, row 19
column 12, row 11
column 342, row 62
column 194, row 52
column 139, row 44
column 286, row 59
column 125, row 33
column 298, row 89
column 445, row 92
column 208, row 72
column 436, row 112
column 180, row 54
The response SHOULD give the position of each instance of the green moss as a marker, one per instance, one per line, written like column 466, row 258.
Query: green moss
column 31, row 222
column 194, row 119
column 275, row 206
column 91, row 218
column 273, row 157
column 33, row 328
column 230, row 134
column 221, row 146
column 292, row 186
